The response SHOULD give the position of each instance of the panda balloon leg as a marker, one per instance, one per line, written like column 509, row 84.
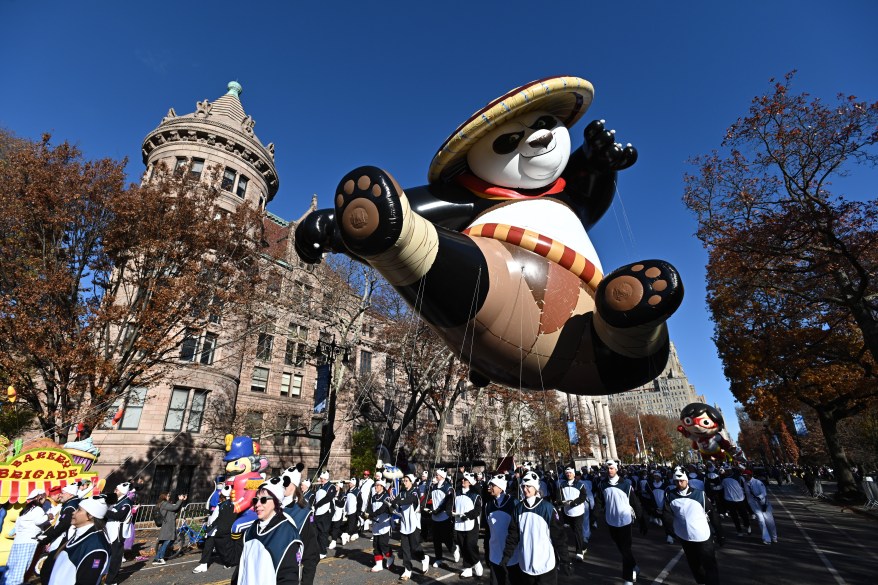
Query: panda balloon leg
column 498, row 301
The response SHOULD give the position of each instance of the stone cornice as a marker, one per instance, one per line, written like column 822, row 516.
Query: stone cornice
column 217, row 135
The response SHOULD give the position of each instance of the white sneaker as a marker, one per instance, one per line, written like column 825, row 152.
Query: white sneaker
column 466, row 573
column 331, row 545
column 378, row 567
column 322, row 557
column 437, row 564
column 159, row 562
column 354, row 537
column 406, row 575
column 635, row 571
column 200, row 569
column 389, row 561
column 345, row 537
column 457, row 554
column 425, row 564
column 478, row 570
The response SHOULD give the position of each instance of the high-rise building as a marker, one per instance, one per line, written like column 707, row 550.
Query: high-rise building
column 664, row 396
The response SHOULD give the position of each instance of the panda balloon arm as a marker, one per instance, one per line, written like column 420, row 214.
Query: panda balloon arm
column 316, row 234
column 591, row 172
column 446, row 204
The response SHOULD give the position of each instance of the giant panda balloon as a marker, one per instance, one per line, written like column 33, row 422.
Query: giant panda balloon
column 493, row 252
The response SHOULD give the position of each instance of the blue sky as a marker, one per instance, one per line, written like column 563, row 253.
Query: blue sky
column 348, row 83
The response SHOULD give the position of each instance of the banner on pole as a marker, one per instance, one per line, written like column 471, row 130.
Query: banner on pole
column 799, row 424
column 572, row 434
column 321, row 392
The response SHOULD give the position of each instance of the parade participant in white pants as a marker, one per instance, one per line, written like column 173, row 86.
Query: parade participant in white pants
column 757, row 497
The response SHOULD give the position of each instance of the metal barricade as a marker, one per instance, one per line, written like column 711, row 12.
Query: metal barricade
column 870, row 489
column 143, row 518
column 195, row 513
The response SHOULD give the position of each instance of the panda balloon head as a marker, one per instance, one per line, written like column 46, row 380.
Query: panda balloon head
column 527, row 152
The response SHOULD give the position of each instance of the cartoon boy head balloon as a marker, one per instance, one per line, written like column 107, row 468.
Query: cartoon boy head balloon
column 702, row 419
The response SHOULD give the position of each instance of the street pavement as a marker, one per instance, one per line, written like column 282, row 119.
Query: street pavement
column 819, row 543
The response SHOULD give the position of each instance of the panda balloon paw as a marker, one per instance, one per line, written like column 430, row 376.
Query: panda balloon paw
column 369, row 210
column 640, row 293
column 603, row 151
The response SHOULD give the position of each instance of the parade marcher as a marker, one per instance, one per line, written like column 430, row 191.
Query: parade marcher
column 757, row 497
column 536, row 534
column 291, row 478
column 713, row 487
column 574, row 500
column 302, row 516
column 499, row 508
column 441, row 505
column 323, row 509
column 407, row 505
column 810, row 481
column 423, row 486
column 621, row 508
column 736, row 500
column 69, row 503
column 118, row 526
column 338, row 515
column 219, row 531
column 29, row 525
column 654, row 501
column 588, row 517
column 690, row 514
column 307, row 493
column 366, row 495
column 168, row 530
column 270, row 543
column 351, row 508
column 380, row 515
column 466, row 511
column 696, row 480
column 83, row 555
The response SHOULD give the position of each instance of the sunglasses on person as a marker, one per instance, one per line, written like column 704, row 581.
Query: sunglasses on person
column 263, row 500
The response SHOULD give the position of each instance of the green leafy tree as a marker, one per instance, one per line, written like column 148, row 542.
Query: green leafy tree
column 363, row 451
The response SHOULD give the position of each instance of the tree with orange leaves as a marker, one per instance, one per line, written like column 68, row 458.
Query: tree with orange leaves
column 100, row 280
column 792, row 267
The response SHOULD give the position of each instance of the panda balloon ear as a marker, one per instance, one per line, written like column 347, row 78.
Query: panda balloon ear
column 286, row 481
column 300, row 466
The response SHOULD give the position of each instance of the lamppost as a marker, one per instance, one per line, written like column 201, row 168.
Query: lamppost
column 604, row 444
column 325, row 394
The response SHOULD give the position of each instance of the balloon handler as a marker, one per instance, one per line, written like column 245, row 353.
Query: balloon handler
column 703, row 425
column 494, row 252
column 243, row 473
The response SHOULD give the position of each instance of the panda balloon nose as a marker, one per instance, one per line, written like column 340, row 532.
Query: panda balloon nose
column 540, row 139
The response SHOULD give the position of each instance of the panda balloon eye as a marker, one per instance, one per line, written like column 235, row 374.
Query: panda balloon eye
column 507, row 142
column 543, row 123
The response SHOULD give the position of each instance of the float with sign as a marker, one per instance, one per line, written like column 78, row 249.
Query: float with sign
column 40, row 464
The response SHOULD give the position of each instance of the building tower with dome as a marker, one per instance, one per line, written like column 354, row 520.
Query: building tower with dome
column 257, row 371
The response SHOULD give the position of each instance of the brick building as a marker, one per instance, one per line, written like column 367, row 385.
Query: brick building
column 253, row 373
